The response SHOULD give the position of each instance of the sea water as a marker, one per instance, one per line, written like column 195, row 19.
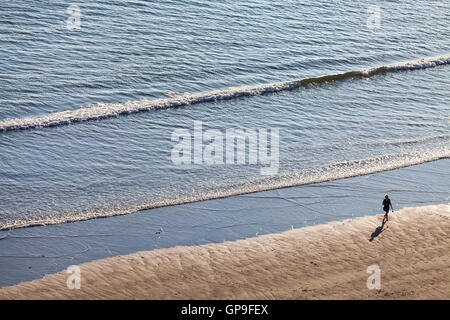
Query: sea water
column 92, row 92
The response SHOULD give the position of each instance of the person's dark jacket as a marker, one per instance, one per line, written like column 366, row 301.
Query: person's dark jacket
column 387, row 204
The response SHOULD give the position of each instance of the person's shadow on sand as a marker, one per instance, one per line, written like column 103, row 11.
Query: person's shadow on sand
column 377, row 231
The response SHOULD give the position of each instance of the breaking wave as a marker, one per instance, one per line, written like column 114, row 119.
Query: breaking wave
column 330, row 172
column 108, row 110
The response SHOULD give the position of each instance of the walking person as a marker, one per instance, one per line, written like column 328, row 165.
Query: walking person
column 386, row 205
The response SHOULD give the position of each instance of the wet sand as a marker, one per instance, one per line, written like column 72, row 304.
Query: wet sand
column 326, row 261
column 31, row 253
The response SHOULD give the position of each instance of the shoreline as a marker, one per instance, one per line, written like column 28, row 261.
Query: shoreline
column 327, row 261
column 80, row 217
column 30, row 253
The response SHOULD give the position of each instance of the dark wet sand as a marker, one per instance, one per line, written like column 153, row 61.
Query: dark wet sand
column 327, row 261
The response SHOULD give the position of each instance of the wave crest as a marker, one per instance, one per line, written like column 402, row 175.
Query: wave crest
column 330, row 172
column 108, row 110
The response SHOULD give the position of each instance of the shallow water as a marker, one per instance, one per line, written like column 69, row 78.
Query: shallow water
column 125, row 52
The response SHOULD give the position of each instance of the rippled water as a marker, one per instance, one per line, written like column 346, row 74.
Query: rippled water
column 129, row 54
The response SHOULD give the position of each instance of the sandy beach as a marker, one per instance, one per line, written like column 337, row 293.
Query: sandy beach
column 327, row 261
column 225, row 150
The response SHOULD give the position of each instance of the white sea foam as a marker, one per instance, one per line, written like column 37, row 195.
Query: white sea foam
column 315, row 175
column 107, row 110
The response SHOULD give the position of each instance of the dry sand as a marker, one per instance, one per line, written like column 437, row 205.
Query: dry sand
column 320, row 262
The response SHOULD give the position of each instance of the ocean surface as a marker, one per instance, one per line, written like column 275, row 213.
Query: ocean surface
column 92, row 93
